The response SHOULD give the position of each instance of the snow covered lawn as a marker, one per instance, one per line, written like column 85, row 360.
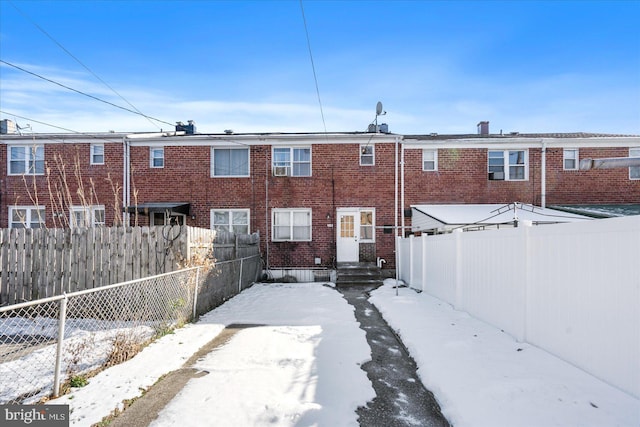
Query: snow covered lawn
column 483, row 377
column 300, row 365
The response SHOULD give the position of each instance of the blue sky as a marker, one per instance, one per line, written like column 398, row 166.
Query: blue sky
column 437, row 66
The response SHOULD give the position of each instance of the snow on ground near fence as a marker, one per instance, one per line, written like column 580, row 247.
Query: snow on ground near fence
column 301, row 368
column 483, row 377
column 87, row 346
column 476, row 372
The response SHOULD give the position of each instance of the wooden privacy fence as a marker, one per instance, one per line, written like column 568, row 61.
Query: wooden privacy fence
column 39, row 263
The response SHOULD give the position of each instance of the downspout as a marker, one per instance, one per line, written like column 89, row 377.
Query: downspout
column 395, row 233
column 543, row 176
column 267, row 234
column 126, row 181
column 402, row 188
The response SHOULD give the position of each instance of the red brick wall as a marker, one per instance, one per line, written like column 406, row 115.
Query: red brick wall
column 337, row 181
column 49, row 190
column 594, row 186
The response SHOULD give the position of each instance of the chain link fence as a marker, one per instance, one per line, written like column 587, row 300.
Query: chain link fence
column 48, row 345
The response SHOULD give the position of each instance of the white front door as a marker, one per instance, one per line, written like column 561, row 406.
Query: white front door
column 348, row 236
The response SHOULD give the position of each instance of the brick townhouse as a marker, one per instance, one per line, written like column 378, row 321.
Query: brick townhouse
column 315, row 198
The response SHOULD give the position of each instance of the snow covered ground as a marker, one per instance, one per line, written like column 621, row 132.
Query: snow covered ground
column 300, row 365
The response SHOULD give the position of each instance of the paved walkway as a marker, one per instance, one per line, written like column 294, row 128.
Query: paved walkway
column 401, row 399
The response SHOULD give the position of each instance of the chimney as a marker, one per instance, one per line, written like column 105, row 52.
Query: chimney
column 483, row 128
column 8, row 127
column 189, row 129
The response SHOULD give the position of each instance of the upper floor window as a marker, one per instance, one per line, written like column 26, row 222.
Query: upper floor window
column 233, row 220
column 291, row 225
column 570, row 159
column 229, row 162
column 292, row 161
column 429, row 159
column 508, row 165
column 634, row 171
column 367, row 155
column 26, row 217
column 156, row 157
column 26, row 159
column 86, row 216
column 97, row 154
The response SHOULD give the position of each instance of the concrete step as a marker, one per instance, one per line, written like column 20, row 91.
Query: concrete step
column 358, row 274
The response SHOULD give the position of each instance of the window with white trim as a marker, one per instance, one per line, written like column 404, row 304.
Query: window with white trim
column 233, row 220
column 291, row 161
column 367, row 225
column 570, row 159
column 634, row 171
column 86, row 216
column 156, row 157
column 26, row 217
column 26, row 159
column 367, row 155
column 97, row 154
column 429, row 159
column 230, row 162
column 291, row 225
column 508, row 165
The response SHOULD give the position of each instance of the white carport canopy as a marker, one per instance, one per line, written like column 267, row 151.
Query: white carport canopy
column 444, row 218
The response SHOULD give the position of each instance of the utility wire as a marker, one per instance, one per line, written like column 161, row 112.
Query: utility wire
column 90, row 135
column 81, row 63
column 313, row 67
column 83, row 93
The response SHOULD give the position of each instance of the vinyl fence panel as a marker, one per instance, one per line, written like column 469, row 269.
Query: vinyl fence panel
column 571, row 289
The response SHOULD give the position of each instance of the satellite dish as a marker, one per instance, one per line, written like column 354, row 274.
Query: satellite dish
column 378, row 108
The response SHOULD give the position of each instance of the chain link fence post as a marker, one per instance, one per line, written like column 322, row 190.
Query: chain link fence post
column 240, row 277
column 61, row 324
column 195, row 294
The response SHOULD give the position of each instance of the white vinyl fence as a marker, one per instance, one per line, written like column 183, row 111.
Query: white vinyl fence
column 571, row 289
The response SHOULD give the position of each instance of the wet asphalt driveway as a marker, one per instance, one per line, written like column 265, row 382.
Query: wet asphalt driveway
column 401, row 399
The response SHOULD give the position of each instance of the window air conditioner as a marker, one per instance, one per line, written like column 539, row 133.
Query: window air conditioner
column 280, row 171
column 496, row 176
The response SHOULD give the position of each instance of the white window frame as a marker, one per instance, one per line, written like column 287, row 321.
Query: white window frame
column 634, row 171
column 230, row 224
column 90, row 216
column 506, row 166
column 290, row 162
column 30, row 161
column 29, row 219
column 372, row 225
column 94, row 154
column 425, row 159
column 153, row 151
column 367, row 151
column 292, row 213
column 575, row 158
column 213, row 156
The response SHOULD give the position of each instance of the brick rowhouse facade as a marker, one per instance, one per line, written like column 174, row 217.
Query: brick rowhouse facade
column 349, row 174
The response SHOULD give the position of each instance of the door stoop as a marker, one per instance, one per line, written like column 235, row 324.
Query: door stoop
column 358, row 274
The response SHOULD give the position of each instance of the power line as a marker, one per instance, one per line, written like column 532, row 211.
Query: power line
column 91, row 135
column 81, row 63
column 313, row 67
column 83, row 93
